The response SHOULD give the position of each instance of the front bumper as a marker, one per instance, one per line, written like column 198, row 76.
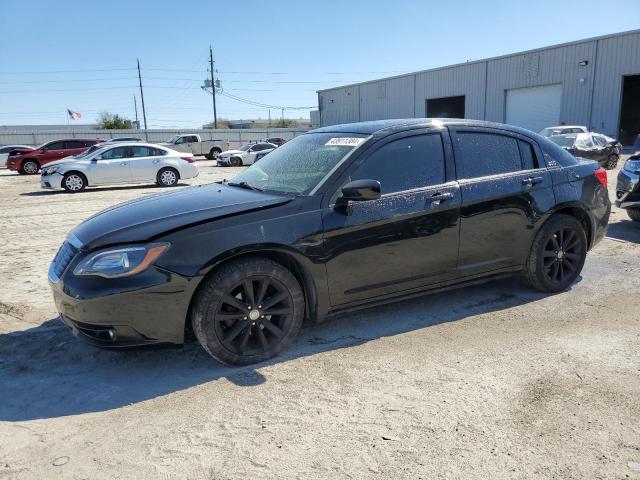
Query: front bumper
column 145, row 309
column 13, row 164
column 51, row 182
column 628, row 190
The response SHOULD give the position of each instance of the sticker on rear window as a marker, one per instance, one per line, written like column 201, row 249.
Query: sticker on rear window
column 345, row 141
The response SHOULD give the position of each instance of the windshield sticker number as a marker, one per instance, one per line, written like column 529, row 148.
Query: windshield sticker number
column 345, row 141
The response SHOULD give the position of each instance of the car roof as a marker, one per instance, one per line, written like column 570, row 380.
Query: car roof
column 376, row 126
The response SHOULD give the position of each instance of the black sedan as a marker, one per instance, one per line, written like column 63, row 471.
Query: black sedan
column 340, row 218
column 591, row 146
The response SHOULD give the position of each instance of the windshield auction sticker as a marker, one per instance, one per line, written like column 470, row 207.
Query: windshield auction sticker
column 345, row 141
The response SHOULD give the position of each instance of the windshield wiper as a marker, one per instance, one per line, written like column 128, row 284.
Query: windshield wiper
column 245, row 185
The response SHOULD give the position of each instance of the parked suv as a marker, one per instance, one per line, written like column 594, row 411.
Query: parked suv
column 28, row 161
column 340, row 218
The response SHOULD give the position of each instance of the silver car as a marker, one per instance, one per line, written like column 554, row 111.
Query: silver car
column 117, row 164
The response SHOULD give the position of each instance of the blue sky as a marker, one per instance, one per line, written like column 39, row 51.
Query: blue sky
column 82, row 55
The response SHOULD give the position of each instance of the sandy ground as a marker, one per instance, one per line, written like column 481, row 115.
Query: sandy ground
column 495, row 381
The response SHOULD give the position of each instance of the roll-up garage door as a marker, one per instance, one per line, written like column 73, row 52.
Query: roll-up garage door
column 534, row 108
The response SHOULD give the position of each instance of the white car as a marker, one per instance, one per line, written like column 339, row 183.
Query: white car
column 4, row 153
column 119, row 163
column 563, row 130
column 246, row 155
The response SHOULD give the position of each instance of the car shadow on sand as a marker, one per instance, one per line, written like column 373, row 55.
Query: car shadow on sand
column 40, row 193
column 626, row 230
column 45, row 372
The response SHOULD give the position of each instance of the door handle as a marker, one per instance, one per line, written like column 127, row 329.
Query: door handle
column 156, row 161
column 123, row 163
column 438, row 197
column 531, row 181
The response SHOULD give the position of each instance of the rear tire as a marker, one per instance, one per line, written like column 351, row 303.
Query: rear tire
column 74, row 182
column 612, row 162
column 634, row 214
column 29, row 167
column 167, row 177
column 248, row 311
column 557, row 254
column 214, row 152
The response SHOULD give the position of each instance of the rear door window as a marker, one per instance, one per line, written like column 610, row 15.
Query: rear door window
column 528, row 154
column 73, row 144
column 404, row 164
column 142, row 151
column 480, row 154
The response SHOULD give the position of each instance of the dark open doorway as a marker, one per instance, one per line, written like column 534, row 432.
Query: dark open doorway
column 445, row 107
column 630, row 109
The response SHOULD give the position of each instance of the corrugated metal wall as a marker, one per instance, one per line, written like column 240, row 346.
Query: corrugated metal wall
column 591, row 93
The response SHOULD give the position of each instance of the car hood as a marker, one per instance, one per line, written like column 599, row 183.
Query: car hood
column 23, row 149
column 145, row 218
column 232, row 152
column 66, row 161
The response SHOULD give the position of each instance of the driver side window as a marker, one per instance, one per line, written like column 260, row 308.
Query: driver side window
column 405, row 164
column 115, row 153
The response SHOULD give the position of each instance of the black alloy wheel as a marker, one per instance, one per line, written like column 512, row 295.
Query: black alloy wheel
column 235, row 161
column 248, row 311
column 557, row 254
column 612, row 162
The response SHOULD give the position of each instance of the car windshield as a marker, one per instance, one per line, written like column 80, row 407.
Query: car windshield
column 583, row 140
column 173, row 139
column 566, row 141
column 300, row 164
column 88, row 152
column 246, row 147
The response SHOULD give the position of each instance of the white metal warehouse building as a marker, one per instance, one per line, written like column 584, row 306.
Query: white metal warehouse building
column 593, row 82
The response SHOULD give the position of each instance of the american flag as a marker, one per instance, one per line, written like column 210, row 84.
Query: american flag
column 73, row 115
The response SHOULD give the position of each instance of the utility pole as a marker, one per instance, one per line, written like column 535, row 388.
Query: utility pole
column 144, row 113
column 213, row 88
column 135, row 106
column 269, row 117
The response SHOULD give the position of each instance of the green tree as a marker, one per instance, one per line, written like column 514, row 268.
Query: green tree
column 110, row 121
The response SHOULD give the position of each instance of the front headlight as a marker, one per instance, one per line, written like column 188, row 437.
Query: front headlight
column 632, row 166
column 121, row 261
column 50, row 170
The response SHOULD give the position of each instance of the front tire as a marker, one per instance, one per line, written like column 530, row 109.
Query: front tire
column 235, row 161
column 634, row 214
column 167, row 177
column 29, row 167
column 557, row 254
column 248, row 311
column 74, row 182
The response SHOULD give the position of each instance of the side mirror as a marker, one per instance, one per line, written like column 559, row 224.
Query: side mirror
column 95, row 159
column 359, row 191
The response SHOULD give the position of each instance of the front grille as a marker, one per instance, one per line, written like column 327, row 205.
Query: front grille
column 63, row 258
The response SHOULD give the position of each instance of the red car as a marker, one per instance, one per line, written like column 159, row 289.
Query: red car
column 29, row 161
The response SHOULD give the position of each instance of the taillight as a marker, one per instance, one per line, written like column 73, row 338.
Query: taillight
column 193, row 160
column 601, row 175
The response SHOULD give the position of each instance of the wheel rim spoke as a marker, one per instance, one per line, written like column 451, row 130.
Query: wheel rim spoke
column 248, row 291
column 225, row 317
column 273, row 328
column 271, row 302
column 262, row 291
column 561, row 265
column 245, row 339
column 570, row 266
column 234, row 302
column 554, row 243
column 568, row 239
column 263, row 339
column 572, row 256
column 234, row 331
column 278, row 311
column 554, row 270
column 549, row 254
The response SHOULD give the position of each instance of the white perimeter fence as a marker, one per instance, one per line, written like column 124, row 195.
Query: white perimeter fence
column 233, row 138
